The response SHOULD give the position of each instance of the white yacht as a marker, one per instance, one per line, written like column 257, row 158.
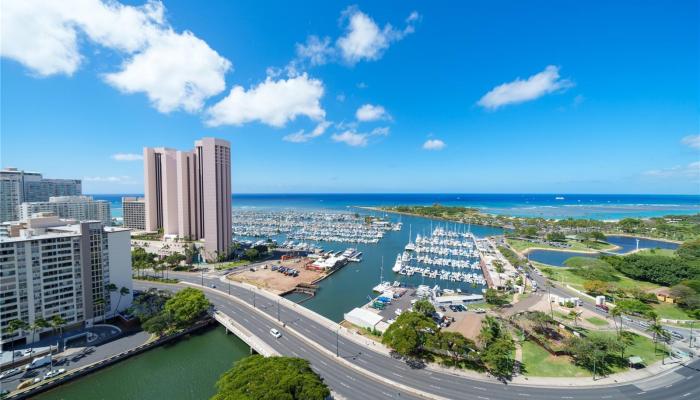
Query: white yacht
column 397, row 264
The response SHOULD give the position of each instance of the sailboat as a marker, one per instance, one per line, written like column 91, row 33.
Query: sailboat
column 410, row 246
column 383, row 286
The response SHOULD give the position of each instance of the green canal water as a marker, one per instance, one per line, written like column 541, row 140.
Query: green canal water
column 184, row 370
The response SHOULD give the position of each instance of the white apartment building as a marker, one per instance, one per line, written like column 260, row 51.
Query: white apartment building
column 188, row 193
column 18, row 186
column 50, row 266
column 79, row 208
column 134, row 213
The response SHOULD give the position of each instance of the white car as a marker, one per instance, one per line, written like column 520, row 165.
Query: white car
column 10, row 372
column 274, row 332
column 54, row 372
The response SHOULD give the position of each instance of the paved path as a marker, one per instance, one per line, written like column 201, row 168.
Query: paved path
column 361, row 372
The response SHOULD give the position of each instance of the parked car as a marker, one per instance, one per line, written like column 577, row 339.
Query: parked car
column 54, row 373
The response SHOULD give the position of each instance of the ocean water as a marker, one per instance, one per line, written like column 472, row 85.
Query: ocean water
column 594, row 206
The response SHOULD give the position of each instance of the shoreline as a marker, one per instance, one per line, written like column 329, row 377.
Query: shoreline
column 379, row 209
column 424, row 216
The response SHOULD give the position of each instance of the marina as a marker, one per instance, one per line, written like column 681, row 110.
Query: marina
column 314, row 226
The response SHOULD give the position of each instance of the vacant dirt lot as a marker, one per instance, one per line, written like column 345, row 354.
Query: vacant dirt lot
column 274, row 281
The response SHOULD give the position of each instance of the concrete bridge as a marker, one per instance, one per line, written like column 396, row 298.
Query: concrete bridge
column 254, row 342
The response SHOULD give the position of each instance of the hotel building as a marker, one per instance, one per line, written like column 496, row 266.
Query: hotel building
column 188, row 193
column 134, row 213
column 80, row 208
column 50, row 266
column 18, row 186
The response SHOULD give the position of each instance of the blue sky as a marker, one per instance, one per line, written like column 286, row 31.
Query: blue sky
column 485, row 96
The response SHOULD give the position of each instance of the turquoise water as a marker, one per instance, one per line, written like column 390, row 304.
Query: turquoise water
column 626, row 243
column 184, row 370
column 594, row 206
column 350, row 286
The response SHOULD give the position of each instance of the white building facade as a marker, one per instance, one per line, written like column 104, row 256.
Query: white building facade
column 17, row 186
column 50, row 266
column 79, row 208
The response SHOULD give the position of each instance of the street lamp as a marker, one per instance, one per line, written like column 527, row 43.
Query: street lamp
column 202, row 269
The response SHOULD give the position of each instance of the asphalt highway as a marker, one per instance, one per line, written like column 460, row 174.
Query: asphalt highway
column 382, row 375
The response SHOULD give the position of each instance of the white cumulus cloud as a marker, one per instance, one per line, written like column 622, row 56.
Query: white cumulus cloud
column 175, row 70
column 351, row 138
column 122, row 179
column 301, row 136
column 365, row 40
column 369, row 112
column 272, row 102
column 362, row 40
column 434, row 144
column 127, row 157
column 522, row 90
column 691, row 170
column 358, row 139
column 692, row 141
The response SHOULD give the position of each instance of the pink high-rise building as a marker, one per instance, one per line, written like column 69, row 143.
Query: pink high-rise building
column 188, row 193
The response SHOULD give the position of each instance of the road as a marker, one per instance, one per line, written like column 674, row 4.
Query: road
column 380, row 373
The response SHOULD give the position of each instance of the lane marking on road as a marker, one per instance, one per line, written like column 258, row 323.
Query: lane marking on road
column 687, row 394
column 523, row 394
column 436, row 378
column 323, row 362
column 606, row 397
column 640, row 393
column 434, row 386
column 566, row 397
column 394, row 373
column 482, row 397
column 479, row 388
column 345, row 384
column 362, row 360
column 387, row 394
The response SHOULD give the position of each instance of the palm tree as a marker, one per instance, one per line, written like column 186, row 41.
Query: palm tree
column 575, row 316
column 99, row 303
column 12, row 327
column 39, row 323
column 616, row 312
column 110, row 288
column 123, row 291
column 658, row 331
column 57, row 322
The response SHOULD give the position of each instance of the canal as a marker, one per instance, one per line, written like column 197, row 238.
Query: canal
column 184, row 370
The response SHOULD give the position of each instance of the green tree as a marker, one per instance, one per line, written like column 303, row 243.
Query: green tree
column 186, row 306
column 14, row 326
column 454, row 344
column 123, row 291
column 498, row 357
column 251, row 254
column 271, row 378
column 658, row 332
column 556, row 237
column 57, row 322
column 689, row 250
column 424, row 307
column 39, row 323
column 157, row 324
column 492, row 296
column 409, row 333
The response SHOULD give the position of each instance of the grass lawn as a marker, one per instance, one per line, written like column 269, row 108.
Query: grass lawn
column 539, row 362
column 564, row 275
column 575, row 245
column 644, row 348
column 232, row 264
column 597, row 321
column 657, row 252
column 670, row 311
